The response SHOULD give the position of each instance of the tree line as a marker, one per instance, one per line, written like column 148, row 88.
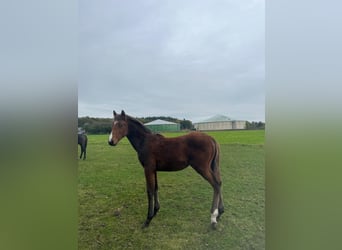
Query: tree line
column 104, row 125
column 255, row 125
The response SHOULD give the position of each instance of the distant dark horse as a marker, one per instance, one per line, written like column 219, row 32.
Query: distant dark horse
column 157, row 153
column 82, row 141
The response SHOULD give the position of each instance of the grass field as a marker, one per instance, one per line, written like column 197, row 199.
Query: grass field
column 113, row 201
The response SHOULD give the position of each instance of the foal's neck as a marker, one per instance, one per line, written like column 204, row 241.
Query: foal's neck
column 137, row 134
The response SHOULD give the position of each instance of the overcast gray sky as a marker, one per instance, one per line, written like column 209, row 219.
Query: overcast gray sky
column 187, row 59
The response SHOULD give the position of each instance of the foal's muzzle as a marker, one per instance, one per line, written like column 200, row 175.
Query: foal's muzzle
column 111, row 143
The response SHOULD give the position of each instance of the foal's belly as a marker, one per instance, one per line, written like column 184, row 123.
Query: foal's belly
column 171, row 166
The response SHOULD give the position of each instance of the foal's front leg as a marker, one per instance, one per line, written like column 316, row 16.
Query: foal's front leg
column 151, row 189
column 156, row 199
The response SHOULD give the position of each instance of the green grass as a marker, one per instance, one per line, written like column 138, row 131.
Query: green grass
column 112, row 180
column 232, row 136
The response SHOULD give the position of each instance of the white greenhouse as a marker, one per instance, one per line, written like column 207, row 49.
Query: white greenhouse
column 219, row 122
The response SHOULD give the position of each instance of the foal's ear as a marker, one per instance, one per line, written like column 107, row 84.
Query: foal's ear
column 114, row 113
column 123, row 113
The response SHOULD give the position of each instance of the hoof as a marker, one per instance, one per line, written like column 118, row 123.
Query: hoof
column 214, row 226
column 156, row 209
column 145, row 225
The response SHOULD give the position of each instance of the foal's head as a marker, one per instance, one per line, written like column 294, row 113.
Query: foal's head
column 119, row 128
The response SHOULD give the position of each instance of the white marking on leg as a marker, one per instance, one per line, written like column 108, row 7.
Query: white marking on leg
column 110, row 136
column 214, row 216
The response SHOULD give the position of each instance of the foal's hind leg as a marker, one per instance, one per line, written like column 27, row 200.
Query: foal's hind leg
column 220, row 206
column 208, row 174
column 215, row 213
column 217, row 178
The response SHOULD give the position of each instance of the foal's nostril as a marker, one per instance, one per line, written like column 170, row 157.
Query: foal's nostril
column 110, row 142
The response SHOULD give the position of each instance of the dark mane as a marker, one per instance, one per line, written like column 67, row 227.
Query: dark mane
column 139, row 124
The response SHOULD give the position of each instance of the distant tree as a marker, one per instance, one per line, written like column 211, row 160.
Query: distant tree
column 255, row 125
column 186, row 124
column 95, row 125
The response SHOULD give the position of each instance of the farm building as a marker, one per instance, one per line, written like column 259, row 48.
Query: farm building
column 162, row 126
column 219, row 122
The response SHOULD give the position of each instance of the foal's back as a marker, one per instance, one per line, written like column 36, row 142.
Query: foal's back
column 172, row 154
column 192, row 142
